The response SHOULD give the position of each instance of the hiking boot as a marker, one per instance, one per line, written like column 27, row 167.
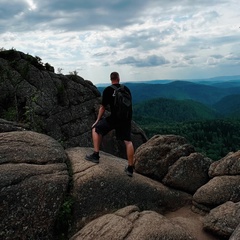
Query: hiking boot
column 129, row 171
column 92, row 157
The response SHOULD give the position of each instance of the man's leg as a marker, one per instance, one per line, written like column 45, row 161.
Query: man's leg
column 123, row 132
column 100, row 129
column 97, row 139
column 130, row 154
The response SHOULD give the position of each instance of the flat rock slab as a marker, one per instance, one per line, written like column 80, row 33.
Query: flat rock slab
column 102, row 188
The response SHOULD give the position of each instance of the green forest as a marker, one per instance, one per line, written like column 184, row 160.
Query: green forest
column 210, row 133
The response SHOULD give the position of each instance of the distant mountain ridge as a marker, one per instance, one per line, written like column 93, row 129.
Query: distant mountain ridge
column 207, row 81
column 180, row 90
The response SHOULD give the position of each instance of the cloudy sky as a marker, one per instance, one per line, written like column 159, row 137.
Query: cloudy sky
column 141, row 39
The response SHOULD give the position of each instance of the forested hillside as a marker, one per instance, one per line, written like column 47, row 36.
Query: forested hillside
column 207, row 129
column 229, row 106
column 213, row 138
column 170, row 110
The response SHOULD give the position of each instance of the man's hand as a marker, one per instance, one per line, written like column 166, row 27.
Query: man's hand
column 93, row 126
column 100, row 114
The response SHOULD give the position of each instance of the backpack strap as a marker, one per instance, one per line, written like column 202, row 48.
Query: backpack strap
column 115, row 87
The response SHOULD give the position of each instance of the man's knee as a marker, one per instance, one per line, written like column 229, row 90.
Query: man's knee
column 128, row 143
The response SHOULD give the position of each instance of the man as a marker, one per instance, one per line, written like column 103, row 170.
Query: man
column 104, row 125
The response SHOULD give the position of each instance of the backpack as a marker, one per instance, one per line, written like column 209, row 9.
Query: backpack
column 122, row 102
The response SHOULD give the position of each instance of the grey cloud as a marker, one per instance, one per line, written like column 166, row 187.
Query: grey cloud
column 234, row 57
column 186, row 61
column 100, row 54
column 190, row 45
column 176, row 29
column 150, row 61
column 226, row 39
column 146, row 39
column 196, row 43
column 126, row 61
column 211, row 16
column 9, row 9
column 74, row 15
column 104, row 54
column 142, row 40
column 86, row 15
column 189, row 57
column 217, row 56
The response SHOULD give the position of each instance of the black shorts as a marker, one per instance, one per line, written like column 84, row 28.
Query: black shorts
column 123, row 130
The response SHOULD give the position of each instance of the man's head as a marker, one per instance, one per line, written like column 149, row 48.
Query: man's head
column 114, row 76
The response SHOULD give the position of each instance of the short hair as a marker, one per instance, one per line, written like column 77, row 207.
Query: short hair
column 114, row 76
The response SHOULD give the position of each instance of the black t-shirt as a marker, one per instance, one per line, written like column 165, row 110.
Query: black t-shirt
column 108, row 99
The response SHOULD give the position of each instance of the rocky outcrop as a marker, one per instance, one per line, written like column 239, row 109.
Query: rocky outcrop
column 131, row 223
column 61, row 106
column 221, row 196
column 172, row 161
column 41, row 183
column 33, row 183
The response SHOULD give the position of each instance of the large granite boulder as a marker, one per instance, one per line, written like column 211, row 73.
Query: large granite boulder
column 158, row 154
column 217, row 191
column 236, row 233
column 229, row 165
column 130, row 223
column 224, row 184
column 224, row 219
column 188, row 173
column 104, row 187
column 33, row 184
